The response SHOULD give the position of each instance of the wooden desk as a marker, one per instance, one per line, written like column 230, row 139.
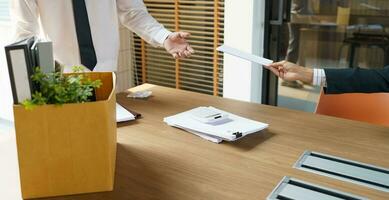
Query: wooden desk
column 155, row 161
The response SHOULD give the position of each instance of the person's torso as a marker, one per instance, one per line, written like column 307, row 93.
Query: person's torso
column 58, row 25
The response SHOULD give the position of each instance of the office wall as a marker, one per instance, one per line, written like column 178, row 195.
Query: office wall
column 243, row 30
column 5, row 87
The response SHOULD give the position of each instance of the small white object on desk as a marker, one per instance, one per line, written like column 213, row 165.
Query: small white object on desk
column 244, row 55
column 140, row 94
column 122, row 114
column 230, row 128
column 207, row 115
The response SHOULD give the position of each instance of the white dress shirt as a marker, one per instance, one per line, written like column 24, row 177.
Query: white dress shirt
column 54, row 21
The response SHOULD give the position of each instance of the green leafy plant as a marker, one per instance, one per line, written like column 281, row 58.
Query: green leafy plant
column 55, row 88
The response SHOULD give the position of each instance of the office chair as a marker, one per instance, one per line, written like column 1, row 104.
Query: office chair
column 371, row 108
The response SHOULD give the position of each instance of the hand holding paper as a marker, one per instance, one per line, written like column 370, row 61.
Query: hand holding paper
column 291, row 72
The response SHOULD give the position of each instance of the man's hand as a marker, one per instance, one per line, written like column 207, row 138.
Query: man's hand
column 177, row 45
column 291, row 72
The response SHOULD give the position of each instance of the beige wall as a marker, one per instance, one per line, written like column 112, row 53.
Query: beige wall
column 6, row 100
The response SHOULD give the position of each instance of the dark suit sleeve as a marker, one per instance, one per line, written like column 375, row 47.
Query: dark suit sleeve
column 357, row 80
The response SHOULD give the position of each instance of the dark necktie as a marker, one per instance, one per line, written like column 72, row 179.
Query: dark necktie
column 84, row 36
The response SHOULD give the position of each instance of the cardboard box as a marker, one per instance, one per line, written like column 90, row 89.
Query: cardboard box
column 68, row 149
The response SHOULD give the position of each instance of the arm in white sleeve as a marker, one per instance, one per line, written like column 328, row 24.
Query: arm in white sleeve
column 24, row 15
column 319, row 77
column 133, row 15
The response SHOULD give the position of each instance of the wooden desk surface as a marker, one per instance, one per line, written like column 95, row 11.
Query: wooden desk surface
column 155, row 161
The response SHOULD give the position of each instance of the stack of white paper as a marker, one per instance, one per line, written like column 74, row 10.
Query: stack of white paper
column 229, row 129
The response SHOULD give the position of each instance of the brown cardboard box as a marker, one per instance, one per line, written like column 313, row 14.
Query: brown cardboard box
column 68, row 149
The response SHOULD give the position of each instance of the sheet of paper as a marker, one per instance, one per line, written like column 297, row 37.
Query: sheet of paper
column 244, row 55
column 122, row 114
column 202, row 135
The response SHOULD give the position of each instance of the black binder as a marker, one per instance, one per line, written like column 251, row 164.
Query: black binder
column 20, row 69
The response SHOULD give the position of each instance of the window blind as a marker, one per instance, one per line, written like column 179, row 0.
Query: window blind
column 203, row 72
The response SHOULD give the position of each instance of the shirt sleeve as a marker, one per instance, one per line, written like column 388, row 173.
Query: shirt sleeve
column 133, row 15
column 24, row 16
column 319, row 77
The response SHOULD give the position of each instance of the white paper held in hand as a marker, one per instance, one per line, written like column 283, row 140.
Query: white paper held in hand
column 244, row 55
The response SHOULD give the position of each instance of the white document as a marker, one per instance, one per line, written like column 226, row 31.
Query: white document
column 213, row 139
column 122, row 114
column 230, row 129
column 244, row 55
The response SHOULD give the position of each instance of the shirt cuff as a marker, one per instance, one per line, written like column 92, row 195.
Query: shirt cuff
column 319, row 77
column 161, row 36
